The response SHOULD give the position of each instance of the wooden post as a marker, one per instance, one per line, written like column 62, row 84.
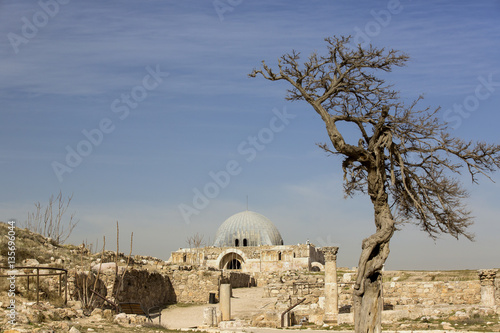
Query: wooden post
column 60, row 284
column 37, row 285
column 66, row 287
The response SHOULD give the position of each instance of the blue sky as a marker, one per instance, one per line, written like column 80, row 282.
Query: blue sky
column 161, row 88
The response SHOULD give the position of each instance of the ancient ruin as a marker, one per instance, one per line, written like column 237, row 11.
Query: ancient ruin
column 249, row 242
column 251, row 280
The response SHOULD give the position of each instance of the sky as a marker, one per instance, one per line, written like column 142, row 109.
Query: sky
column 144, row 112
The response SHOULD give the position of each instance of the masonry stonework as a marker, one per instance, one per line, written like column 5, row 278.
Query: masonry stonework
column 487, row 281
column 331, row 287
column 148, row 288
column 252, row 259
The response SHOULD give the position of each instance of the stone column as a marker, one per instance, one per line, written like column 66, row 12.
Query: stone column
column 487, row 280
column 225, row 301
column 210, row 316
column 331, row 288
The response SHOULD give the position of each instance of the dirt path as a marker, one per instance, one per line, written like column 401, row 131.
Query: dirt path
column 245, row 303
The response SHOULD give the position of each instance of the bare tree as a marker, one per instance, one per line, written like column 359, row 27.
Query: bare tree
column 48, row 221
column 404, row 159
column 195, row 241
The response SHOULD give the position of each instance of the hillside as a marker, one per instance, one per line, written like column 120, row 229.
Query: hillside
column 51, row 314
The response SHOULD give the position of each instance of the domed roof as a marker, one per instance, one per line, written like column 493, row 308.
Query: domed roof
column 247, row 229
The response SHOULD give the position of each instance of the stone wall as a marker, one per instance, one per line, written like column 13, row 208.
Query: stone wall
column 195, row 285
column 424, row 293
column 177, row 286
column 292, row 284
column 430, row 293
column 287, row 285
column 148, row 288
column 497, row 289
column 240, row 280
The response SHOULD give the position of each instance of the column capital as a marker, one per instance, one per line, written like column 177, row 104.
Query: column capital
column 330, row 252
column 487, row 276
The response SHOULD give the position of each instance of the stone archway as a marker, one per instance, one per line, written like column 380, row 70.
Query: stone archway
column 231, row 259
column 317, row 267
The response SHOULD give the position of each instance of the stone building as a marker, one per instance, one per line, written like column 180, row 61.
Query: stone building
column 250, row 242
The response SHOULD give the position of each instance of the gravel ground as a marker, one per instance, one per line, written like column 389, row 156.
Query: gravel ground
column 245, row 303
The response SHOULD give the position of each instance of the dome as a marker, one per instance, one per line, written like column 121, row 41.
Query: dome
column 247, row 229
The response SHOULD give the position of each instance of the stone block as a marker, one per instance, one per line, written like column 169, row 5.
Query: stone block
column 345, row 318
column 447, row 326
column 75, row 304
column 96, row 311
column 121, row 318
column 231, row 324
column 107, row 314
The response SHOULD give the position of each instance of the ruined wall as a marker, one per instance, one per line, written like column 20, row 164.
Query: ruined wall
column 497, row 289
column 430, row 293
column 300, row 284
column 148, row 288
column 264, row 279
column 424, row 293
column 188, row 257
column 240, row 280
column 194, row 286
column 292, row 283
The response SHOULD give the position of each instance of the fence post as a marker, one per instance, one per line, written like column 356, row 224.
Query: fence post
column 60, row 284
column 66, row 287
column 37, row 285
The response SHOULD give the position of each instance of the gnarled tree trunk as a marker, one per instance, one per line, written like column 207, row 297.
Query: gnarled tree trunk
column 367, row 297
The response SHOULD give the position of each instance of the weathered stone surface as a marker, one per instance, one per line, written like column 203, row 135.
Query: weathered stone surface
column 121, row 318
column 430, row 293
column 148, row 288
column 96, row 312
column 107, row 314
column 73, row 329
column 488, row 286
column 487, row 276
column 232, row 324
column 447, row 326
column 210, row 316
column 31, row 262
column 106, row 267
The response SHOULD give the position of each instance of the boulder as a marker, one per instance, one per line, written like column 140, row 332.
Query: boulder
column 73, row 329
